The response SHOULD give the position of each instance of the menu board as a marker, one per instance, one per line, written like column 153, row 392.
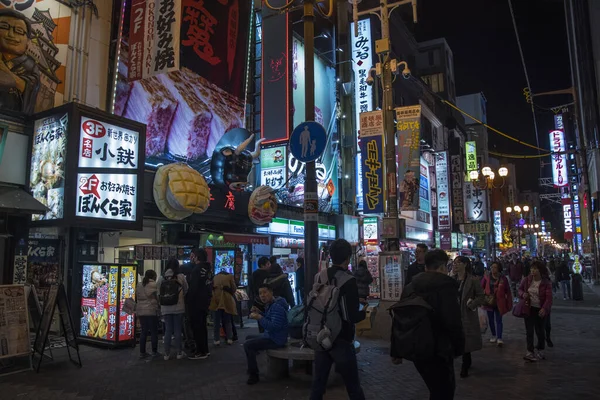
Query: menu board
column 14, row 324
column 126, row 321
column 98, row 305
column 44, row 327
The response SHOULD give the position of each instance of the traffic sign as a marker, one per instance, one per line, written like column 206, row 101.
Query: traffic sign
column 308, row 141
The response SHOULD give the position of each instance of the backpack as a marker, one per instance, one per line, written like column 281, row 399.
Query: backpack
column 325, row 311
column 169, row 291
column 296, row 322
column 412, row 333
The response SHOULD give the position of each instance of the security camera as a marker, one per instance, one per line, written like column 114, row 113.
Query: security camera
column 406, row 73
column 370, row 80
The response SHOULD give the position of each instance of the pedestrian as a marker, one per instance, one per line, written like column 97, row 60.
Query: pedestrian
column 536, row 289
column 342, row 351
column 280, row 283
column 419, row 265
column 258, row 278
column 440, row 291
column 515, row 273
column 563, row 276
column 470, row 297
column 198, row 301
column 223, row 306
column 478, row 267
column 363, row 280
column 300, row 279
column 499, row 300
column 275, row 324
column 173, row 288
column 147, row 311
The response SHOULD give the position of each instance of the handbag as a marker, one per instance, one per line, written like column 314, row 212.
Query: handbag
column 489, row 299
column 522, row 309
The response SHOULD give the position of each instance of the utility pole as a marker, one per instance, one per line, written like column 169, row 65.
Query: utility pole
column 311, row 223
column 385, row 69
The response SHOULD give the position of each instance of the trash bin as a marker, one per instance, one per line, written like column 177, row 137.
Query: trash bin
column 577, row 287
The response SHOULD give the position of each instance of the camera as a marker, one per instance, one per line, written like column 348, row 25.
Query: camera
column 370, row 80
column 406, row 73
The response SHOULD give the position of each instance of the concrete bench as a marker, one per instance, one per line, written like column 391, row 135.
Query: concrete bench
column 279, row 359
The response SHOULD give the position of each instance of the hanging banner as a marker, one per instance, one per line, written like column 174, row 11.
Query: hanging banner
column 497, row 226
column 476, row 203
column 458, row 210
column 154, row 37
column 567, row 218
column 443, row 195
column 272, row 167
column 372, row 164
column 471, row 156
column 409, row 149
column 559, row 161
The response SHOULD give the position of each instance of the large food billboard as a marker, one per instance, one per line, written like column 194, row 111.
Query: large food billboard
column 187, row 110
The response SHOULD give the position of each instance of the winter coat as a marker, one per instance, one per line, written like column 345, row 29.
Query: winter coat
column 275, row 321
column 469, row 316
column 222, row 299
column 147, row 299
column 281, row 287
column 199, row 296
column 413, row 270
column 515, row 271
column 545, row 292
column 504, row 299
column 563, row 273
column 363, row 280
column 441, row 292
column 178, row 308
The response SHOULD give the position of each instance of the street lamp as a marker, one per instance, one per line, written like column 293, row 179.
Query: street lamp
column 515, row 211
column 487, row 178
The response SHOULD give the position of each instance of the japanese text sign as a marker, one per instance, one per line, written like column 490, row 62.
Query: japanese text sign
column 362, row 57
column 371, row 231
column 273, row 167
column 107, row 196
column 476, row 203
column 457, row 190
column 443, row 194
column 409, row 149
column 371, row 124
column 154, row 37
column 559, row 160
column 471, row 156
column 127, row 291
column 103, row 145
column 372, row 165
column 477, row 227
column 497, row 226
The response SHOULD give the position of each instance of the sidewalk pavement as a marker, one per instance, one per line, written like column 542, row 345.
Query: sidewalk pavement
column 570, row 371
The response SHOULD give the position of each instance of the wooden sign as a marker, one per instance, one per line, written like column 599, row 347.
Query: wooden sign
column 14, row 324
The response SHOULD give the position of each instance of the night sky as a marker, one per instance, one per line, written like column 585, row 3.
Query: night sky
column 486, row 59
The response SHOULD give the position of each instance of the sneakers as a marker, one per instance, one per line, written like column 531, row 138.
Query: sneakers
column 530, row 357
column 493, row 339
column 181, row 355
column 500, row 342
column 167, row 357
column 199, row 356
column 549, row 342
column 540, row 355
column 230, row 342
column 252, row 380
column 217, row 342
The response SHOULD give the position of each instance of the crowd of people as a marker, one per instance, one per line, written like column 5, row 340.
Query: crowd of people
column 443, row 299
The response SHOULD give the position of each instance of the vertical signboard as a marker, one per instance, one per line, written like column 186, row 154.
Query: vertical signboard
column 557, row 145
column 371, row 231
column 567, row 218
column 443, row 195
column 275, row 94
column 154, row 36
column 409, row 149
column 511, row 195
column 458, row 210
column 14, row 324
column 272, row 167
column 475, row 203
column 371, row 145
column 497, row 226
column 471, row 156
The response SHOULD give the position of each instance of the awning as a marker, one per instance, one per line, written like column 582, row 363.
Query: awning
column 16, row 200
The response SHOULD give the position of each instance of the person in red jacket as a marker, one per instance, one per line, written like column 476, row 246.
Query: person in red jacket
column 495, row 284
column 536, row 289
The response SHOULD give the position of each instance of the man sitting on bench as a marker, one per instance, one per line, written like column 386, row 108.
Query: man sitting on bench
column 275, row 323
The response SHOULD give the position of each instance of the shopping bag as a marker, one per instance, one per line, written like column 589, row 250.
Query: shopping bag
column 483, row 320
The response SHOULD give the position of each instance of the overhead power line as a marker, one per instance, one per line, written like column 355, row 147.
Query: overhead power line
column 505, row 155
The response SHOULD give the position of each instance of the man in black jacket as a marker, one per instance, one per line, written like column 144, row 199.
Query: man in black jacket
column 198, row 301
column 418, row 266
column 342, row 352
column 441, row 292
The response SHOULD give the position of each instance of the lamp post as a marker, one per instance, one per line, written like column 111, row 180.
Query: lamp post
column 517, row 211
column 487, row 180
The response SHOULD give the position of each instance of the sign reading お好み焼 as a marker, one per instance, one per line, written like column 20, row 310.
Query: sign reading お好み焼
column 107, row 196
column 103, row 145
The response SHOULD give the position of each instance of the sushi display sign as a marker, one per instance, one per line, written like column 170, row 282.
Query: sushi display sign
column 87, row 168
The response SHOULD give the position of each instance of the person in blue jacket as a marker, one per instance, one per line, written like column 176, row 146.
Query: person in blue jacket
column 275, row 323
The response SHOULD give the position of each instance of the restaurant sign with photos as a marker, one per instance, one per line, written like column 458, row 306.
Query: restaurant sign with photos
column 87, row 168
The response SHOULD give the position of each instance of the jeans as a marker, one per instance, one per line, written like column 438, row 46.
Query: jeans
column 566, row 288
column 220, row 316
column 537, row 323
column 438, row 374
column 343, row 355
column 148, row 323
column 254, row 344
column 198, row 323
column 174, row 324
column 495, row 320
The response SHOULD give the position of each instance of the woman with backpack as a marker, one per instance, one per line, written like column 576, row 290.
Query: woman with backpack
column 223, row 306
column 147, row 311
column 172, row 290
column 470, row 297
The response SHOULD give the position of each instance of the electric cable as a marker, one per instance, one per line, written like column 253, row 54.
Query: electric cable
column 327, row 14
column 518, row 156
